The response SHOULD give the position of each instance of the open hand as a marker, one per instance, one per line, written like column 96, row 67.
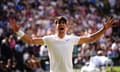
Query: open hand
column 13, row 25
column 109, row 23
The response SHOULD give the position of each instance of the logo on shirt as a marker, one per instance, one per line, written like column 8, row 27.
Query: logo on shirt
column 67, row 39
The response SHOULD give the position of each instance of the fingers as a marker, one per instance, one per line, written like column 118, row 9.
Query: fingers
column 13, row 25
column 110, row 20
column 12, row 21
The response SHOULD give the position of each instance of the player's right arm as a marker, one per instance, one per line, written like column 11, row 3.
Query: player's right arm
column 26, row 38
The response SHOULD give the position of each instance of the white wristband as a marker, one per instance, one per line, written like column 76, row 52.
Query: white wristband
column 20, row 33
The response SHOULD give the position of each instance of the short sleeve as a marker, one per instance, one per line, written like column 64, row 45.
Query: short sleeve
column 45, row 38
column 76, row 39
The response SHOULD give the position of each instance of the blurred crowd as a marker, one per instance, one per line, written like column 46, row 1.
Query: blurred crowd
column 36, row 18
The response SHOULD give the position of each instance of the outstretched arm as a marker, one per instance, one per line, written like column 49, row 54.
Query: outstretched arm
column 98, row 34
column 23, row 36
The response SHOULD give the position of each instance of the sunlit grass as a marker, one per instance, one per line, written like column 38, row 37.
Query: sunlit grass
column 114, row 69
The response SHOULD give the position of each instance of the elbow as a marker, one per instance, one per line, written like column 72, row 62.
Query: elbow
column 29, row 41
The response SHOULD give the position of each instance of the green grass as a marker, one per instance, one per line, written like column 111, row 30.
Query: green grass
column 114, row 69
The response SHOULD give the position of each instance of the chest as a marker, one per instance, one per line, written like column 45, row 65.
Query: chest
column 60, row 42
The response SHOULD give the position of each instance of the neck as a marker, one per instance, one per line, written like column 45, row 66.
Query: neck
column 61, row 35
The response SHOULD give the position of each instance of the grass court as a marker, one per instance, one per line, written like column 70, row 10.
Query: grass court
column 114, row 69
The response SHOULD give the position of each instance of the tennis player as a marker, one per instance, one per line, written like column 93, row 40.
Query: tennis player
column 60, row 45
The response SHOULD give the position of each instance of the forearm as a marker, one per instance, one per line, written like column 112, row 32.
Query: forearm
column 28, row 39
column 98, row 34
column 92, row 37
column 106, row 26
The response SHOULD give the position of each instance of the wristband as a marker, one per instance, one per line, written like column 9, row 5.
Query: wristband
column 20, row 33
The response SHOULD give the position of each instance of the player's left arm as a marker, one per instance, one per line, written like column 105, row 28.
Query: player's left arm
column 93, row 37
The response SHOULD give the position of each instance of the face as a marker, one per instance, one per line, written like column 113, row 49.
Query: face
column 61, row 28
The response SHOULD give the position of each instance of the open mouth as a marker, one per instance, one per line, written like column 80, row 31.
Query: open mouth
column 61, row 28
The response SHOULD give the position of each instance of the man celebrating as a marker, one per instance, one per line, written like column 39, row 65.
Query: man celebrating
column 60, row 45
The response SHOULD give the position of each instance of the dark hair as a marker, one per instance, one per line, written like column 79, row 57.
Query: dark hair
column 59, row 19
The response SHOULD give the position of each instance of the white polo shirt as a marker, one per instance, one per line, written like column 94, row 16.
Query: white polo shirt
column 99, row 60
column 60, row 52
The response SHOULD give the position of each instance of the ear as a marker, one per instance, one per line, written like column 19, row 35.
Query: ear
column 56, row 26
